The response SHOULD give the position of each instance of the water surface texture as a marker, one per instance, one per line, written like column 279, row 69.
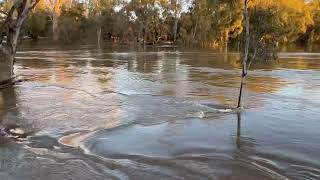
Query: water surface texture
column 106, row 114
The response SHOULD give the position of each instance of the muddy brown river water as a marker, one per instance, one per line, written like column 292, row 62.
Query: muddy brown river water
column 95, row 114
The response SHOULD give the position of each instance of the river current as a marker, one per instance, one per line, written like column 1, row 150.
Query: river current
column 159, row 113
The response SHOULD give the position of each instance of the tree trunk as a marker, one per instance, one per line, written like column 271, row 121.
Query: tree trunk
column 10, row 35
column 99, row 35
column 195, row 30
column 175, row 28
column 243, row 77
column 226, row 39
column 6, row 67
column 144, row 38
column 246, row 51
column 55, row 30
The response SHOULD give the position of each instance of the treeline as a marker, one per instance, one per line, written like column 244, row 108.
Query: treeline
column 200, row 22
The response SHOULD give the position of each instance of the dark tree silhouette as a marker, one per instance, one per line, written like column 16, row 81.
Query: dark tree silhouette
column 9, row 35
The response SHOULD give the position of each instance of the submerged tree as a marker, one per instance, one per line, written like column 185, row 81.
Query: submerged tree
column 246, row 50
column 10, row 31
column 54, row 9
column 263, row 31
column 71, row 23
column 100, row 12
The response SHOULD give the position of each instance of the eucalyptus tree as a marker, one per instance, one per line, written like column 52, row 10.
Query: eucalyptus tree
column 227, row 20
column 260, row 37
column 54, row 9
column 100, row 11
column 176, row 9
column 9, row 35
column 201, row 17
column 38, row 22
column 315, row 32
column 245, row 52
column 72, row 23
column 267, row 24
column 245, row 63
column 146, row 13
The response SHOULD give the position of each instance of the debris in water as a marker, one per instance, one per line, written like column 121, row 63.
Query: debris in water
column 17, row 131
column 224, row 110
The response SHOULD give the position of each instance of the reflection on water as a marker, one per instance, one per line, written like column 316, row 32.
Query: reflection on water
column 97, row 114
column 9, row 112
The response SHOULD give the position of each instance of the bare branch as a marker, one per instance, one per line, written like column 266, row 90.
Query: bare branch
column 3, row 12
column 23, row 8
column 34, row 3
column 25, row 12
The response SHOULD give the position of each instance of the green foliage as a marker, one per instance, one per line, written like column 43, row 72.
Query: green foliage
column 206, row 22
column 71, row 23
column 4, row 8
column 37, row 24
column 266, row 31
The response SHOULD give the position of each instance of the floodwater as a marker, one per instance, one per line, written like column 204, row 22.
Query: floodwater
column 93, row 114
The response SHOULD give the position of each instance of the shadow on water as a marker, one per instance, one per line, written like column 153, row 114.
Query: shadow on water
column 7, row 109
column 10, row 117
column 238, row 129
column 247, row 153
column 275, row 165
column 8, row 103
column 13, row 126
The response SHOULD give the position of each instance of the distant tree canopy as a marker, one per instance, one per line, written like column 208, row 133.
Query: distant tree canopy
column 200, row 22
